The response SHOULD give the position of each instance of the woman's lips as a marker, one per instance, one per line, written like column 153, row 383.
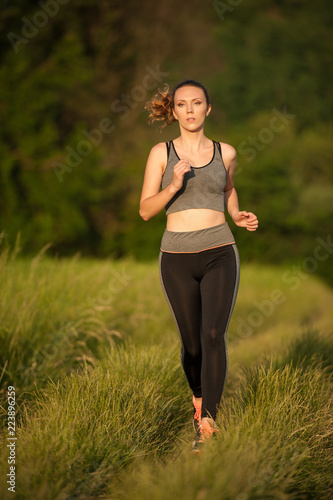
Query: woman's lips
column 190, row 119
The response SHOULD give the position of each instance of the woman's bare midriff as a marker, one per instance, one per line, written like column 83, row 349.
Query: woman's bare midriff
column 194, row 219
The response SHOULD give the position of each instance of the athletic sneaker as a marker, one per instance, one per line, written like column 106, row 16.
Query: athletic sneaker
column 197, row 414
column 206, row 430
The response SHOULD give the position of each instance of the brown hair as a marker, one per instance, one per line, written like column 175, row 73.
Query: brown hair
column 161, row 105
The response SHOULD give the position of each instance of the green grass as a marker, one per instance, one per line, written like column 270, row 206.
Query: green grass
column 103, row 408
column 81, row 430
column 274, row 442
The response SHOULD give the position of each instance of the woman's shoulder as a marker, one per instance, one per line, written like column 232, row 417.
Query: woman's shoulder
column 159, row 149
column 228, row 151
column 159, row 146
column 158, row 155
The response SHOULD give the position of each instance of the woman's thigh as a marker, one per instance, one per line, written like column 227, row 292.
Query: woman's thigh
column 181, row 285
column 219, row 287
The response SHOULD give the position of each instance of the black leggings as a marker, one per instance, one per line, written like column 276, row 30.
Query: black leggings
column 201, row 290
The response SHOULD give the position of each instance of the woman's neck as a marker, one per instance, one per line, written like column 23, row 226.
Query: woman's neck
column 192, row 141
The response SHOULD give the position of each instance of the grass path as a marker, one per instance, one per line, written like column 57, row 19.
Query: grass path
column 275, row 441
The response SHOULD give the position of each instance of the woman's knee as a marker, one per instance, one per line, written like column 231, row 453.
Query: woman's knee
column 214, row 338
column 192, row 353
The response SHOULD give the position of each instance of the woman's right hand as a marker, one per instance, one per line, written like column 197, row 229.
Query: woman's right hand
column 179, row 171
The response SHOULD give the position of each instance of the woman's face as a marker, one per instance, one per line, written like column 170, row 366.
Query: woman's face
column 190, row 107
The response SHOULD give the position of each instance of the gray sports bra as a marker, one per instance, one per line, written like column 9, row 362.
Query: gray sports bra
column 203, row 187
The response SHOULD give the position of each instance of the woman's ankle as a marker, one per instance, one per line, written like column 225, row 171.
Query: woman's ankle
column 197, row 401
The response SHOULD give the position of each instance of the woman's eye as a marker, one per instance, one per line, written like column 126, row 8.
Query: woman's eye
column 197, row 102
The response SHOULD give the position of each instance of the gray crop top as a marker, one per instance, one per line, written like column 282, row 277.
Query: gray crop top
column 203, row 187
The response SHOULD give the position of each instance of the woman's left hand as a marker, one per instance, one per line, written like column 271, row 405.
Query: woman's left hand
column 246, row 219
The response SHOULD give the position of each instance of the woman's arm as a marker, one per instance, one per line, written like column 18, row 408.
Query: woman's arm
column 152, row 199
column 240, row 218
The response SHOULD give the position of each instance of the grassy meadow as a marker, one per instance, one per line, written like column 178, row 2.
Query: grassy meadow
column 102, row 406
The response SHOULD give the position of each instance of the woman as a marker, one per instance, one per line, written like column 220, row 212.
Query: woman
column 199, row 263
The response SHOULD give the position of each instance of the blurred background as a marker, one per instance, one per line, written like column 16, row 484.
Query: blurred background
column 74, row 79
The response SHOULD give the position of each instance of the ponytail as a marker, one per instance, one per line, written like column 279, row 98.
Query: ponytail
column 160, row 107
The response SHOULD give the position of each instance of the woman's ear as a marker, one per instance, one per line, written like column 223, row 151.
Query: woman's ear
column 208, row 110
column 174, row 114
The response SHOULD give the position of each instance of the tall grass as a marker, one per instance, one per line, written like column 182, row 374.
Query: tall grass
column 124, row 426
column 275, row 441
column 104, row 408
column 80, row 431
column 54, row 315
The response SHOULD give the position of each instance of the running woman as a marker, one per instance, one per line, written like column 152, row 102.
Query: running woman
column 192, row 178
